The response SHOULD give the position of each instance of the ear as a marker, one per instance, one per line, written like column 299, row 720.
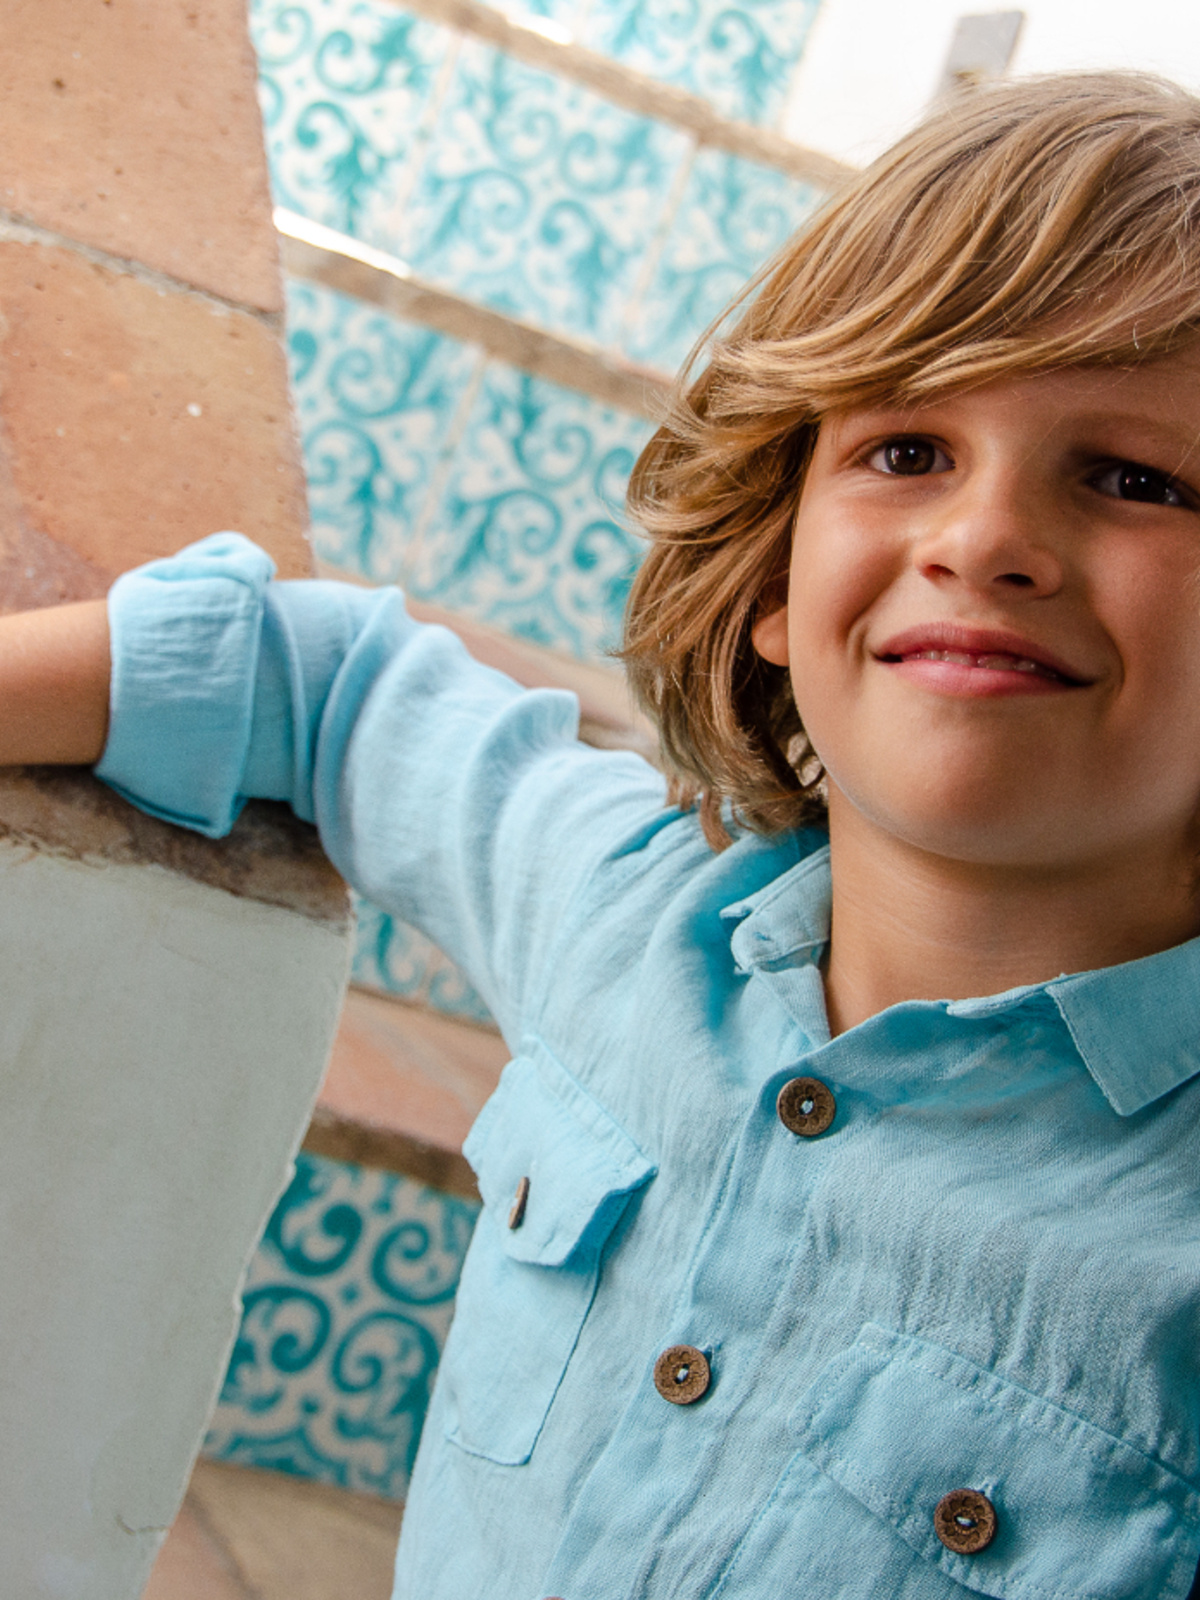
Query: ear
column 769, row 635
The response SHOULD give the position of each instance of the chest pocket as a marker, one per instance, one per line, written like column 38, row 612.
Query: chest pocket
column 555, row 1174
column 899, row 1423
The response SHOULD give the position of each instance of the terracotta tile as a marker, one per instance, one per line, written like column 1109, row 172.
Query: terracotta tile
column 133, row 420
column 133, row 125
column 290, row 1539
column 409, row 1070
column 193, row 1565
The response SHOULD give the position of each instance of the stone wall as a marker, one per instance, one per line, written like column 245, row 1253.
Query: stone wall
column 143, row 388
column 166, row 1004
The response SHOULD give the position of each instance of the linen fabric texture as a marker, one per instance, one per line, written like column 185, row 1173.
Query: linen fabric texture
column 984, row 1275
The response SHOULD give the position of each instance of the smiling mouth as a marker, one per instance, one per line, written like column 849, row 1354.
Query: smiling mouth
column 986, row 661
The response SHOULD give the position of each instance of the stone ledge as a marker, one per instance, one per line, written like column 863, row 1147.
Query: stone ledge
column 270, row 857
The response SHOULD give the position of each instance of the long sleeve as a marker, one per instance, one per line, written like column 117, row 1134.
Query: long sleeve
column 441, row 789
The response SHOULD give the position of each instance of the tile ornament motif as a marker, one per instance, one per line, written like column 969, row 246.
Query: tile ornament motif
column 739, row 58
column 733, row 216
column 538, row 198
column 529, row 534
column 377, row 401
column 509, row 185
column 345, row 1310
column 366, row 72
column 391, row 956
column 345, row 88
column 472, row 484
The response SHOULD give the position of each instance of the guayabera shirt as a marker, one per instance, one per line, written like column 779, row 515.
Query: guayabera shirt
column 983, row 1275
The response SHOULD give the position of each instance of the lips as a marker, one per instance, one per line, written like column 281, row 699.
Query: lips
column 980, row 649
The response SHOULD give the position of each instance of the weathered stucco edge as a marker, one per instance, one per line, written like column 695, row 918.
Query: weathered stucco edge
column 270, row 856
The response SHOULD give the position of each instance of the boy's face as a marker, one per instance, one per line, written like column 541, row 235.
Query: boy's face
column 993, row 616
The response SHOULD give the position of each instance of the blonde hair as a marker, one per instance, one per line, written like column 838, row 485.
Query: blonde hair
column 1022, row 227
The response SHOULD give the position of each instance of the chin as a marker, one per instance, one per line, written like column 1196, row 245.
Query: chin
column 1013, row 847
column 976, row 822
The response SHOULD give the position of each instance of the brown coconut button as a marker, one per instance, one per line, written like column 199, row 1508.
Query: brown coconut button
column 806, row 1106
column 682, row 1374
column 965, row 1521
column 520, row 1200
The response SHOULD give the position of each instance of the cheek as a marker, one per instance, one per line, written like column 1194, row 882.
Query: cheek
column 1151, row 611
column 838, row 574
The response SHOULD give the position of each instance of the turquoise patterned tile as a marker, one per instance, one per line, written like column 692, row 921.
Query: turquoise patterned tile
column 392, row 956
column 344, row 86
column 538, row 198
column 733, row 215
column 346, row 1307
column 376, row 400
column 529, row 535
column 740, row 58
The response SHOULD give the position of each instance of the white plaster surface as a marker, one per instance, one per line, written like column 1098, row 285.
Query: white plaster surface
column 872, row 66
column 161, row 1045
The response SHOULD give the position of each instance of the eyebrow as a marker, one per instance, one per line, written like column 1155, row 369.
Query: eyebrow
column 1169, row 433
column 918, row 419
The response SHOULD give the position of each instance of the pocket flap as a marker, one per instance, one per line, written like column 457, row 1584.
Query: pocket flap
column 900, row 1423
column 543, row 1125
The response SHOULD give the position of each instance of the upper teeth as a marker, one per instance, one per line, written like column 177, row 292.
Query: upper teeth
column 968, row 658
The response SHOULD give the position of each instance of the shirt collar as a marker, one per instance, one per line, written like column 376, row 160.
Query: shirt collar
column 1135, row 1026
column 786, row 919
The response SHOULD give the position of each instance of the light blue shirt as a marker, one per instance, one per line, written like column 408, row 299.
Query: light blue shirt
column 985, row 1274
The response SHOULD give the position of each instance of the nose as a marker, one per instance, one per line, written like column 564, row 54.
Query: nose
column 993, row 538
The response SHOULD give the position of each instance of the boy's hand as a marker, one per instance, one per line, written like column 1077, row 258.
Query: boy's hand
column 54, row 678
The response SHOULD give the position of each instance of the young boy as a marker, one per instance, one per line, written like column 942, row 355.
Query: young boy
column 801, row 1270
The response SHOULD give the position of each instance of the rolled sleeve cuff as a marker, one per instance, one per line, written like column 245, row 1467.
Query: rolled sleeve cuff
column 186, row 635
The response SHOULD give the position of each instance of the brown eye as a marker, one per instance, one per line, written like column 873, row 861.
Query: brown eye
column 909, row 458
column 1128, row 480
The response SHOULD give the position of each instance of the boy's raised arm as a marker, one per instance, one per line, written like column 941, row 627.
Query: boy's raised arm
column 54, row 683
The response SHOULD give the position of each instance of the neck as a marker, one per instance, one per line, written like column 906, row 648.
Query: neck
column 908, row 925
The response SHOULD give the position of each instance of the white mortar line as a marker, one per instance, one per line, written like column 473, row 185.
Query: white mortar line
column 320, row 255
column 19, row 230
